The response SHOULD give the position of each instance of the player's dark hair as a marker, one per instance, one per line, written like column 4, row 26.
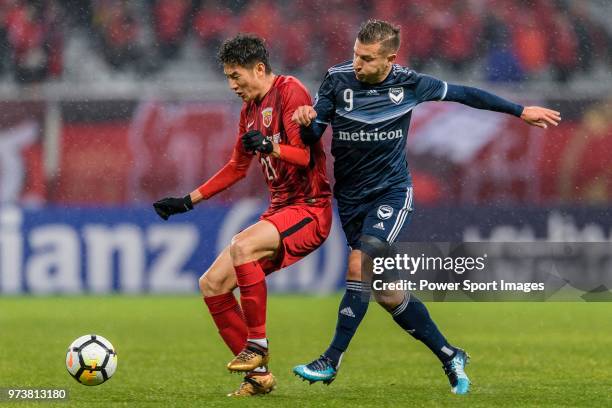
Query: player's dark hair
column 244, row 50
column 379, row 31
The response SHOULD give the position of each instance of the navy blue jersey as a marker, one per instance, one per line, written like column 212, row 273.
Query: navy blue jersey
column 370, row 126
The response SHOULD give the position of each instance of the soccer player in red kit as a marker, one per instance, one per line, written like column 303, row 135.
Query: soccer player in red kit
column 296, row 223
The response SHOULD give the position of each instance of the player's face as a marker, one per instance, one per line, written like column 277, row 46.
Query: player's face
column 370, row 64
column 246, row 82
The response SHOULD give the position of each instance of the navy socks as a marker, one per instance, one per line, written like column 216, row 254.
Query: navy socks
column 353, row 308
column 412, row 316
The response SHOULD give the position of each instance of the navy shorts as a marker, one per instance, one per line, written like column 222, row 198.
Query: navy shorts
column 383, row 217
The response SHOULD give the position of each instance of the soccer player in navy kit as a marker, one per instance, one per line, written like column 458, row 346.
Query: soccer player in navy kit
column 368, row 102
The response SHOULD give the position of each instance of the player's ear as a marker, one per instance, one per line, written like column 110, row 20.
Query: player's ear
column 260, row 69
column 391, row 58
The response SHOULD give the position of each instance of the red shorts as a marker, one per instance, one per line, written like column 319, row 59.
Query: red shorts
column 302, row 229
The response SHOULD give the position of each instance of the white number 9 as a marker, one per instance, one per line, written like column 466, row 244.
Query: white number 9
column 348, row 98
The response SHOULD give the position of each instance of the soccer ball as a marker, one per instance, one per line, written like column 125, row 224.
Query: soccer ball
column 91, row 359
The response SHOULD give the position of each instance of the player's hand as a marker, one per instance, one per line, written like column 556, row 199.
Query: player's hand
column 254, row 140
column 304, row 115
column 540, row 117
column 172, row 205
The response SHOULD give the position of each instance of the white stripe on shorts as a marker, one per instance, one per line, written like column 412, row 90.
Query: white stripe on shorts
column 401, row 217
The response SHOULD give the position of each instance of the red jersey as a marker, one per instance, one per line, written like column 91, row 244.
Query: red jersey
column 298, row 176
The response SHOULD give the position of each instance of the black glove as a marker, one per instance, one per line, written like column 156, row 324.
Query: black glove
column 254, row 140
column 172, row 205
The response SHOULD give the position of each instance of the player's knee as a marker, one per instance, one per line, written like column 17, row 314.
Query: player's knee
column 374, row 247
column 210, row 286
column 241, row 249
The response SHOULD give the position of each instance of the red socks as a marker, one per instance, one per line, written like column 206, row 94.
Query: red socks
column 253, row 297
column 233, row 325
column 228, row 317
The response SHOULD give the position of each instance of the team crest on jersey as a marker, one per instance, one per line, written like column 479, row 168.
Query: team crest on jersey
column 267, row 117
column 396, row 95
column 384, row 212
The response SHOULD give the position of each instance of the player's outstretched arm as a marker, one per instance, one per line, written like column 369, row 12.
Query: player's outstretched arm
column 226, row 177
column 233, row 171
column 480, row 99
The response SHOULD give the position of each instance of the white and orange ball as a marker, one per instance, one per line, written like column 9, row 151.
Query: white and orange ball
column 91, row 359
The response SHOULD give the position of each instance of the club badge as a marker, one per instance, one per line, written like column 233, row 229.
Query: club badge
column 396, row 95
column 384, row 212
column 267, row 117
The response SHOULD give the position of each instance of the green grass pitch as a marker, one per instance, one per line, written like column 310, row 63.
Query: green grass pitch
column 169, row 354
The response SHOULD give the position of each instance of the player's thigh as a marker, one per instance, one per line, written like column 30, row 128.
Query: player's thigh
column 220, row 277
column 260, row 240
column 382, row 219
column 302, row 230
column 388, row 215
column 351, row 219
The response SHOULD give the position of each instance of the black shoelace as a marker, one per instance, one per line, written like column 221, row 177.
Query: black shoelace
column 320, row 364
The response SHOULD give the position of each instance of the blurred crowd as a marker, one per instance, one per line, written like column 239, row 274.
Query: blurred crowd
column 501, row 40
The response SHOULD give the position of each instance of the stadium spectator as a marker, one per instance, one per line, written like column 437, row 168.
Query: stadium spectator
column 294, row 54
column 79, row 12
column 511, row 40
column 169, row 24
column 531, row 45
column 27, row 35
column 458, row 34
column 54, row 38
column 4, row 41
column 263, row 19
column 420, row 45
column 211, row 22
column 118, row 30
column 336, row 27
column 564, row 48
column 583, row 27
column 501, row 62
